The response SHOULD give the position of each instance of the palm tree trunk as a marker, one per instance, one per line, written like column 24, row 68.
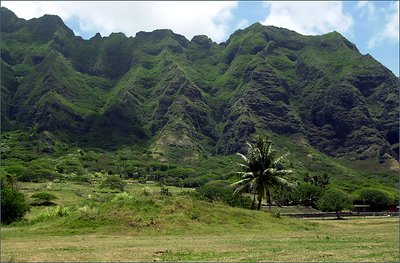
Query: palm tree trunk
column 259, row 204
column 253, row 205
column 269, row 201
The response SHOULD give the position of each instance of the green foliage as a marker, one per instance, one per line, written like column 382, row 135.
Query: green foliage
column 219, row 190
column 376, row 198
column 13, row 205
column 170, row 102
column 307, row 194
column 69, row 165
column 51, row 214
column 8, row 180
column 181, row 172
column 261, row 171
column 164, row 191
column 113, row 182
column 334, row 200
column 43, row 198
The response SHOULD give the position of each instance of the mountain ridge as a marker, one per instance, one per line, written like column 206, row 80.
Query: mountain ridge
column 167, row 93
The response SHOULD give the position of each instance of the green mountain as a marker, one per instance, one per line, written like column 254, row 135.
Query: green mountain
column 173, row 97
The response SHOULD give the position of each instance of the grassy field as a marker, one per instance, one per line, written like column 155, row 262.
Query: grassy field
column 150, row 227
column 372, row 240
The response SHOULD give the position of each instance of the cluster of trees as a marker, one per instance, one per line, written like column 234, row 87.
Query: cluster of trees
column 220, row 191
column 262, row 175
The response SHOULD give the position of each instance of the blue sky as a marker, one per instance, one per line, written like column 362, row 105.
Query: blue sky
column 372, row 25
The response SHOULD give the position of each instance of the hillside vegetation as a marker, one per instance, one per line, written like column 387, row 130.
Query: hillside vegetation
column 142, row 224
column 160, row 107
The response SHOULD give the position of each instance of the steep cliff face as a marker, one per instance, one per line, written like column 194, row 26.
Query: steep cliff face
column 166, row 93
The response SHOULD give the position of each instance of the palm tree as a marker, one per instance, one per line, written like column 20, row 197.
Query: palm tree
column 259, row 172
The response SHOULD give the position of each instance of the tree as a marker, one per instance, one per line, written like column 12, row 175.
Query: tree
column 113, row 182
column 334, row 200
column 260, row 172
column 43, row 198
column 307, row 194
column 317, row 180
column 376, row 198
column 218, row 190
column 13, row 205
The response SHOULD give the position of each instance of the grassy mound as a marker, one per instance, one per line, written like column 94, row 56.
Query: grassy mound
column 144, row 213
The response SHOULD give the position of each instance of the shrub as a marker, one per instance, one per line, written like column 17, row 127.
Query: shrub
column 39, row 170
column 43, row 198
column 376, row 198
column 219, row 191
column 87, row 213
column 58, row 211
column 13, row 205
column 81, row 179
column 113, row 182
column 334, row 200
column 70, row 165
column 164, row 191
column 181, row 172
column 307, row 194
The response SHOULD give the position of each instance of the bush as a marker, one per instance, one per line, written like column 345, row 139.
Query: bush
column 38, row 171
column 57, row 211
column 113, row 182
column 81, row 179
column 334, row 200
column 164, row 191
column 307, row 194
column 13, row 205
column 377, row 199
column 219, row 191
column 70, row 165
column 43, row 198
column 181, row 172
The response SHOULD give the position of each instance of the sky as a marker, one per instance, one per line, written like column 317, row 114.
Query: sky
column 372, row 25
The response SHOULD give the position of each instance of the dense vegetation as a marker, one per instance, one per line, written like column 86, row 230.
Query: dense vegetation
column 178, row 99
column 158, row 107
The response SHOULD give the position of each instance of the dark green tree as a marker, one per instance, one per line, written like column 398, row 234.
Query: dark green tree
column 334, row 200
column 376, row 198
column 218, row 190
column 43, row 198
column 261, row 171
column 13, row 205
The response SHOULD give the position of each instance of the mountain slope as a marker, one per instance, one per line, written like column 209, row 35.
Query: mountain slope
column 168, row 94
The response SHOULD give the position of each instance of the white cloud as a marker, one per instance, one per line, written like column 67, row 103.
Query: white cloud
column 187, row 18
column 242, row 24
column 391, row 29
column 309, row 18
column 367, row 9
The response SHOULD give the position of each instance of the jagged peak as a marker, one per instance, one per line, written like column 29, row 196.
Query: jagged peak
column 96, row 37
column 9, row 20
column 6, row 11
column 202, row 40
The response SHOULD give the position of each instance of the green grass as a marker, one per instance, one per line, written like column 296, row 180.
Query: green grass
column 142, row 225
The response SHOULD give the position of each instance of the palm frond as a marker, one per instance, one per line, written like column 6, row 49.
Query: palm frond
column 283, row 172
column 280, row 158
column 244, row 166
column 283, row 182
column 241, row 189
column 244, row 175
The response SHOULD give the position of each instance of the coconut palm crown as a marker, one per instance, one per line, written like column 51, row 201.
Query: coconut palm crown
column 260, row 171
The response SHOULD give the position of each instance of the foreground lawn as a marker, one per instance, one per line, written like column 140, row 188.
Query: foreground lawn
column 142, row 225
column 359, row 240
